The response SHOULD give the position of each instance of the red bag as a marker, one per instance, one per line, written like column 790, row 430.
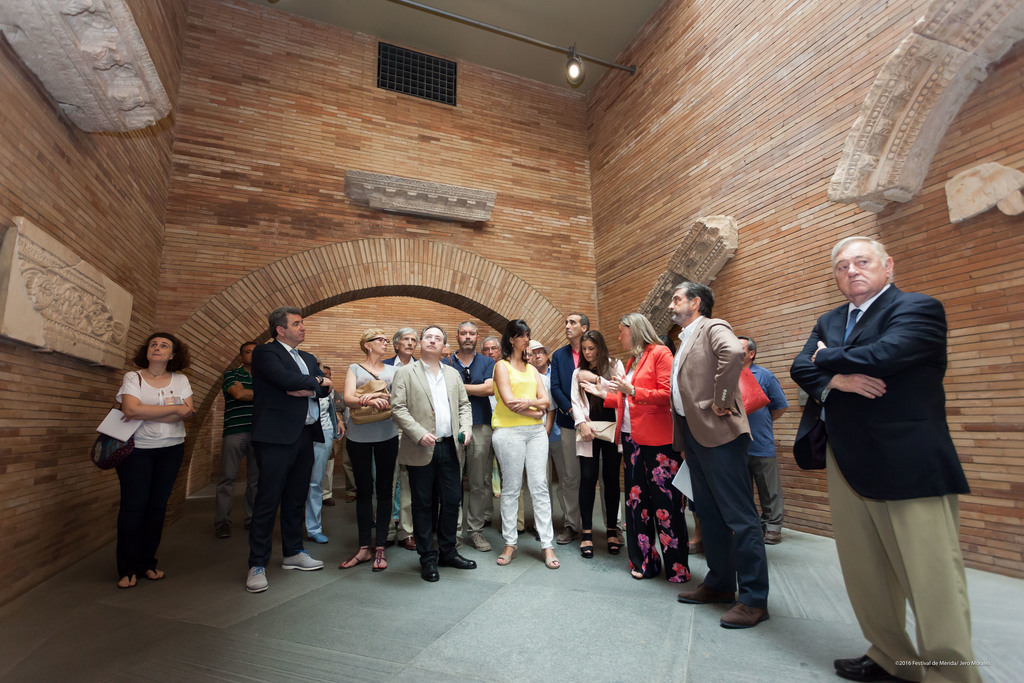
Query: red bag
column 753, row 395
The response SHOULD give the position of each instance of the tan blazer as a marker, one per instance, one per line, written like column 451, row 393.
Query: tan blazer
column 412, row 409
column 709, row 373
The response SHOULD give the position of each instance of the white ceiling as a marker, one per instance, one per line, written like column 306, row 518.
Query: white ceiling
column 601, row 28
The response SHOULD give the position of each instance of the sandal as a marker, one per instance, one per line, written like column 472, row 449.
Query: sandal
column 551, row 562
column 587, row 551
column 379, row 562
column 154, row 574
column 636, row 574
column 506, row 557
column 127, row 582
column 354, row 560
column 614, row 542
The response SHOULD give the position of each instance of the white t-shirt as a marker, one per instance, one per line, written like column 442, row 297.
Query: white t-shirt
column 157, row 434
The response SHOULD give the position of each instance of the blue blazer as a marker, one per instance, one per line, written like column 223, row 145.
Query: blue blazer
column 562, row 368
column 896, row 446
column 277, row 417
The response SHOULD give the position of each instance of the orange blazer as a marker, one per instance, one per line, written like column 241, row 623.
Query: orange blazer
column 650, row 418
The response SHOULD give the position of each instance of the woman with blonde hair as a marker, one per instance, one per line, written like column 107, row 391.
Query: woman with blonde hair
column 519, row 439
column 654, row 507
column 372, row 444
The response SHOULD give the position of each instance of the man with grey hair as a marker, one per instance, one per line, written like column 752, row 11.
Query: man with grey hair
column 476, row 371
column 710, row 425
column 286, row 385
column 405, row 341
column 873, row 369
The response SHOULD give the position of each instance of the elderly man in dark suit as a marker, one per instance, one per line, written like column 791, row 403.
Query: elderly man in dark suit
column 430, row 405
column 873, row 369
column 286, row 421
column 711, row 427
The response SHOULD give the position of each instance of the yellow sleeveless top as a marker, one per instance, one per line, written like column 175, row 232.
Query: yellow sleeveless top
column 524, row 385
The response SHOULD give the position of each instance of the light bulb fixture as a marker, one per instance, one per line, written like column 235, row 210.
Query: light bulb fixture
column 574, row 68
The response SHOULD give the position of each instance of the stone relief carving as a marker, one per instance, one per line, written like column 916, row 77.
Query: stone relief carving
column 705, row 247
column 419, row 197
column 978, row 189
column 917, row 94
column 51, row 299
column 91, row 58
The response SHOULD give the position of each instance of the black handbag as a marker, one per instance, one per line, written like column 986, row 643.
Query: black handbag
column 108, row 452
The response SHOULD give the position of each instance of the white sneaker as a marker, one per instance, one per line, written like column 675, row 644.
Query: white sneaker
column 256, row 581
column 301, row 561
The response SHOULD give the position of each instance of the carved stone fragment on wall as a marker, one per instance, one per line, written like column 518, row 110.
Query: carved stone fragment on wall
column 917, row 94
column 419, row 197
column 91, row 58
column 51, row 299
column 705, row 247
column 978, row 189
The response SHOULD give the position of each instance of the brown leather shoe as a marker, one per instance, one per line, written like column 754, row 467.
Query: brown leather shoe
column 772, row 537
column 409, row 543
column 704, row 595
column 743, row 616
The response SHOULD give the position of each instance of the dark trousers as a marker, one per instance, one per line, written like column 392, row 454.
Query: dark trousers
column 147, row 478
column 654, row 511
column 436, row 483
column 731, row 528
column 605, row 461
column 366, row 457
column 284, row 481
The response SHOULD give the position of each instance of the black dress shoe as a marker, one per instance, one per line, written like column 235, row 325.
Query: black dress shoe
column 862, row 669
column 458, row 562
column 429, row 571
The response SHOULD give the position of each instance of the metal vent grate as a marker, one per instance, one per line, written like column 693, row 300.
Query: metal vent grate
column 416, row 74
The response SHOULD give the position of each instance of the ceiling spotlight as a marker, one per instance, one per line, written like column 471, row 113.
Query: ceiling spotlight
column 574, row 68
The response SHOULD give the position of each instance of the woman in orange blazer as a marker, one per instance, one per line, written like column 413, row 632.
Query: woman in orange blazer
column 654, row 507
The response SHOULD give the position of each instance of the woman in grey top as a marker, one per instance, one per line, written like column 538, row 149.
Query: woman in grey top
column 371, row 445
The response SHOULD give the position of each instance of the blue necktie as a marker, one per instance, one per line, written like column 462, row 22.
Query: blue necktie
column 313, row 409
column 851, row 321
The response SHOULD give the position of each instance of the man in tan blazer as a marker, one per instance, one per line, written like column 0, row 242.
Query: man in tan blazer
column 710, row 427
column 430, row 405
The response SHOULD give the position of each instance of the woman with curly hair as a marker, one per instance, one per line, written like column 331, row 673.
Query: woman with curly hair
column 160, row 396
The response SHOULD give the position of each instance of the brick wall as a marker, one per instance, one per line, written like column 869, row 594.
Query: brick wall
column 103, row 196
column 742, row 109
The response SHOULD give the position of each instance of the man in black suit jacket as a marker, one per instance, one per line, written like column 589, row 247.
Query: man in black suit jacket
column 285, row 423
column 873, row 369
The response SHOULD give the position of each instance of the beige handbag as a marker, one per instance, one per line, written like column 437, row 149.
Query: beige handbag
column 367, row 414
column 602, row 430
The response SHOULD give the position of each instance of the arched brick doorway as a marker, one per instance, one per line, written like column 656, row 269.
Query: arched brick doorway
column 338, row 273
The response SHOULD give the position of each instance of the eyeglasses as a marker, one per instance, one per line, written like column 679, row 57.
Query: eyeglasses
column 382, row 339
column 465, row 375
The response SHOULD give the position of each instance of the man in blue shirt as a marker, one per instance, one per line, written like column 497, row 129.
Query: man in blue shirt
column 761, row 462
column 477, row 373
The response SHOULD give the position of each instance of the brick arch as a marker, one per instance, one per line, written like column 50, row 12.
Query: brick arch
column 338, row 273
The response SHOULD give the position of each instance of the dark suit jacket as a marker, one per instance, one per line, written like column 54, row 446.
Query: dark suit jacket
column 277, row 417
column 709, row 374
column 562, row 368
column 896, row 446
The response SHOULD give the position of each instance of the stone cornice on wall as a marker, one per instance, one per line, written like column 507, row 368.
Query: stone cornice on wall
column 419, row 197
column 917, row 94
column 91, row 58
column 704, row 249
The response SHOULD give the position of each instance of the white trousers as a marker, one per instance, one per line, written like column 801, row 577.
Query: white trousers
column 516, row 448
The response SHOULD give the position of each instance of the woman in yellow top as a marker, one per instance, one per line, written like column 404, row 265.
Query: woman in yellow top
column 519, row 439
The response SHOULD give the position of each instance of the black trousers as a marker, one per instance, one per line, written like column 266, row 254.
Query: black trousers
column 285, row 470
column 607, row 462
column 438, row 483
column 366, row 457
column 147, row 478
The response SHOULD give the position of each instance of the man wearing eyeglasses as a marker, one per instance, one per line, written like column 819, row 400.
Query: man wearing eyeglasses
column 405, row 341
column 429, row 404
column 477, row 373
